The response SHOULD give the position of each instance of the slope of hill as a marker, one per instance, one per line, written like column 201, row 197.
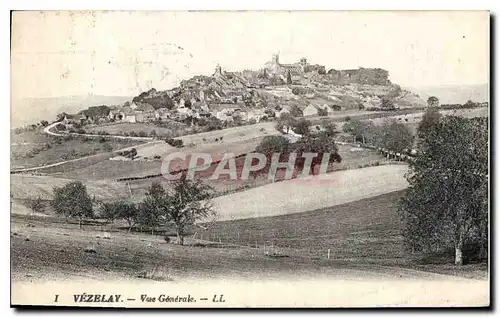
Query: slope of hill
column 317, row 89
column 29, row 187
column 298, row 195
column 26, row 111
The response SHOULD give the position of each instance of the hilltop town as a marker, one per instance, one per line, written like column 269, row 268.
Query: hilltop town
column 258, row 95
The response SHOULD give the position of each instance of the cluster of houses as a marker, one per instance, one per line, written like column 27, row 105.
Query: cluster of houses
column 137, row 112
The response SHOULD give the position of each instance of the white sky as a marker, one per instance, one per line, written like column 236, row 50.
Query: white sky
column 125, row 53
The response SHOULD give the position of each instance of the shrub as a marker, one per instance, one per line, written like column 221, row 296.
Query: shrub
column 107, row 147
column 252, row 121
column 142, row 134
column 322, row 112
column 132, row 153
column 295, row 111
column 102, row 140
column 178, row 143
column 133, row 134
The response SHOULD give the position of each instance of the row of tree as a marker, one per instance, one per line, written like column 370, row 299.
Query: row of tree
column 390, row 135
column 319, row 142
column 178, row 207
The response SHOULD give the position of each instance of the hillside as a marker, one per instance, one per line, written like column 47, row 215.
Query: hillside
column 276, row 85
column 28, row 187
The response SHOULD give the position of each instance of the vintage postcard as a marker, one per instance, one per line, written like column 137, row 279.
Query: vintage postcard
column 250, row 159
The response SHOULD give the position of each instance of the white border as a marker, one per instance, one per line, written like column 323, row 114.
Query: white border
column 194, row 5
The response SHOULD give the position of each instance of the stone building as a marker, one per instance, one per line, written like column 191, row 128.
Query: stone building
column 275, row 67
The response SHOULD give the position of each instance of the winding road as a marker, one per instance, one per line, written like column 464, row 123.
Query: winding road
column 48, row 131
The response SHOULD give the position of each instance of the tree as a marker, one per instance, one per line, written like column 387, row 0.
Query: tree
column 44, row 123
column 121, row 210
column 446, row 205
column 470, row 104
column 387, row 103
column 61, row 116
column 72, row 200
column 295, row 111
column 322, row 112
column 430, row 119
column 320, row 144
column 360, row 130
column 132, row 153
column 272, row 144
column 37, row 205
column 285, row 122
column 330, row 129
column 301, row 126
column 393, row 136
column 150, row 209
column 433, row 101
column 187, row 202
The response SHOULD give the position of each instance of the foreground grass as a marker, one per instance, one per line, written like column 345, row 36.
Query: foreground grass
column 363, row 238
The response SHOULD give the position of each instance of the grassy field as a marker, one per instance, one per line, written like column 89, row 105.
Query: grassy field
column 352, row 158
column 364, row 230
column 32, row 149
column 236, row 140
column 297, row 195
column 24, row 186
column 122, row 128
column 363, row 237
column 109, row 169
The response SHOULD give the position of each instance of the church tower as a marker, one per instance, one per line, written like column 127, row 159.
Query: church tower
column 275, row 62
column 276, row 58
column 303, row 64
column 218, row 70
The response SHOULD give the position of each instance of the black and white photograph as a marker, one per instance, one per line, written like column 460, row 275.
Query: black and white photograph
column 250, row 159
